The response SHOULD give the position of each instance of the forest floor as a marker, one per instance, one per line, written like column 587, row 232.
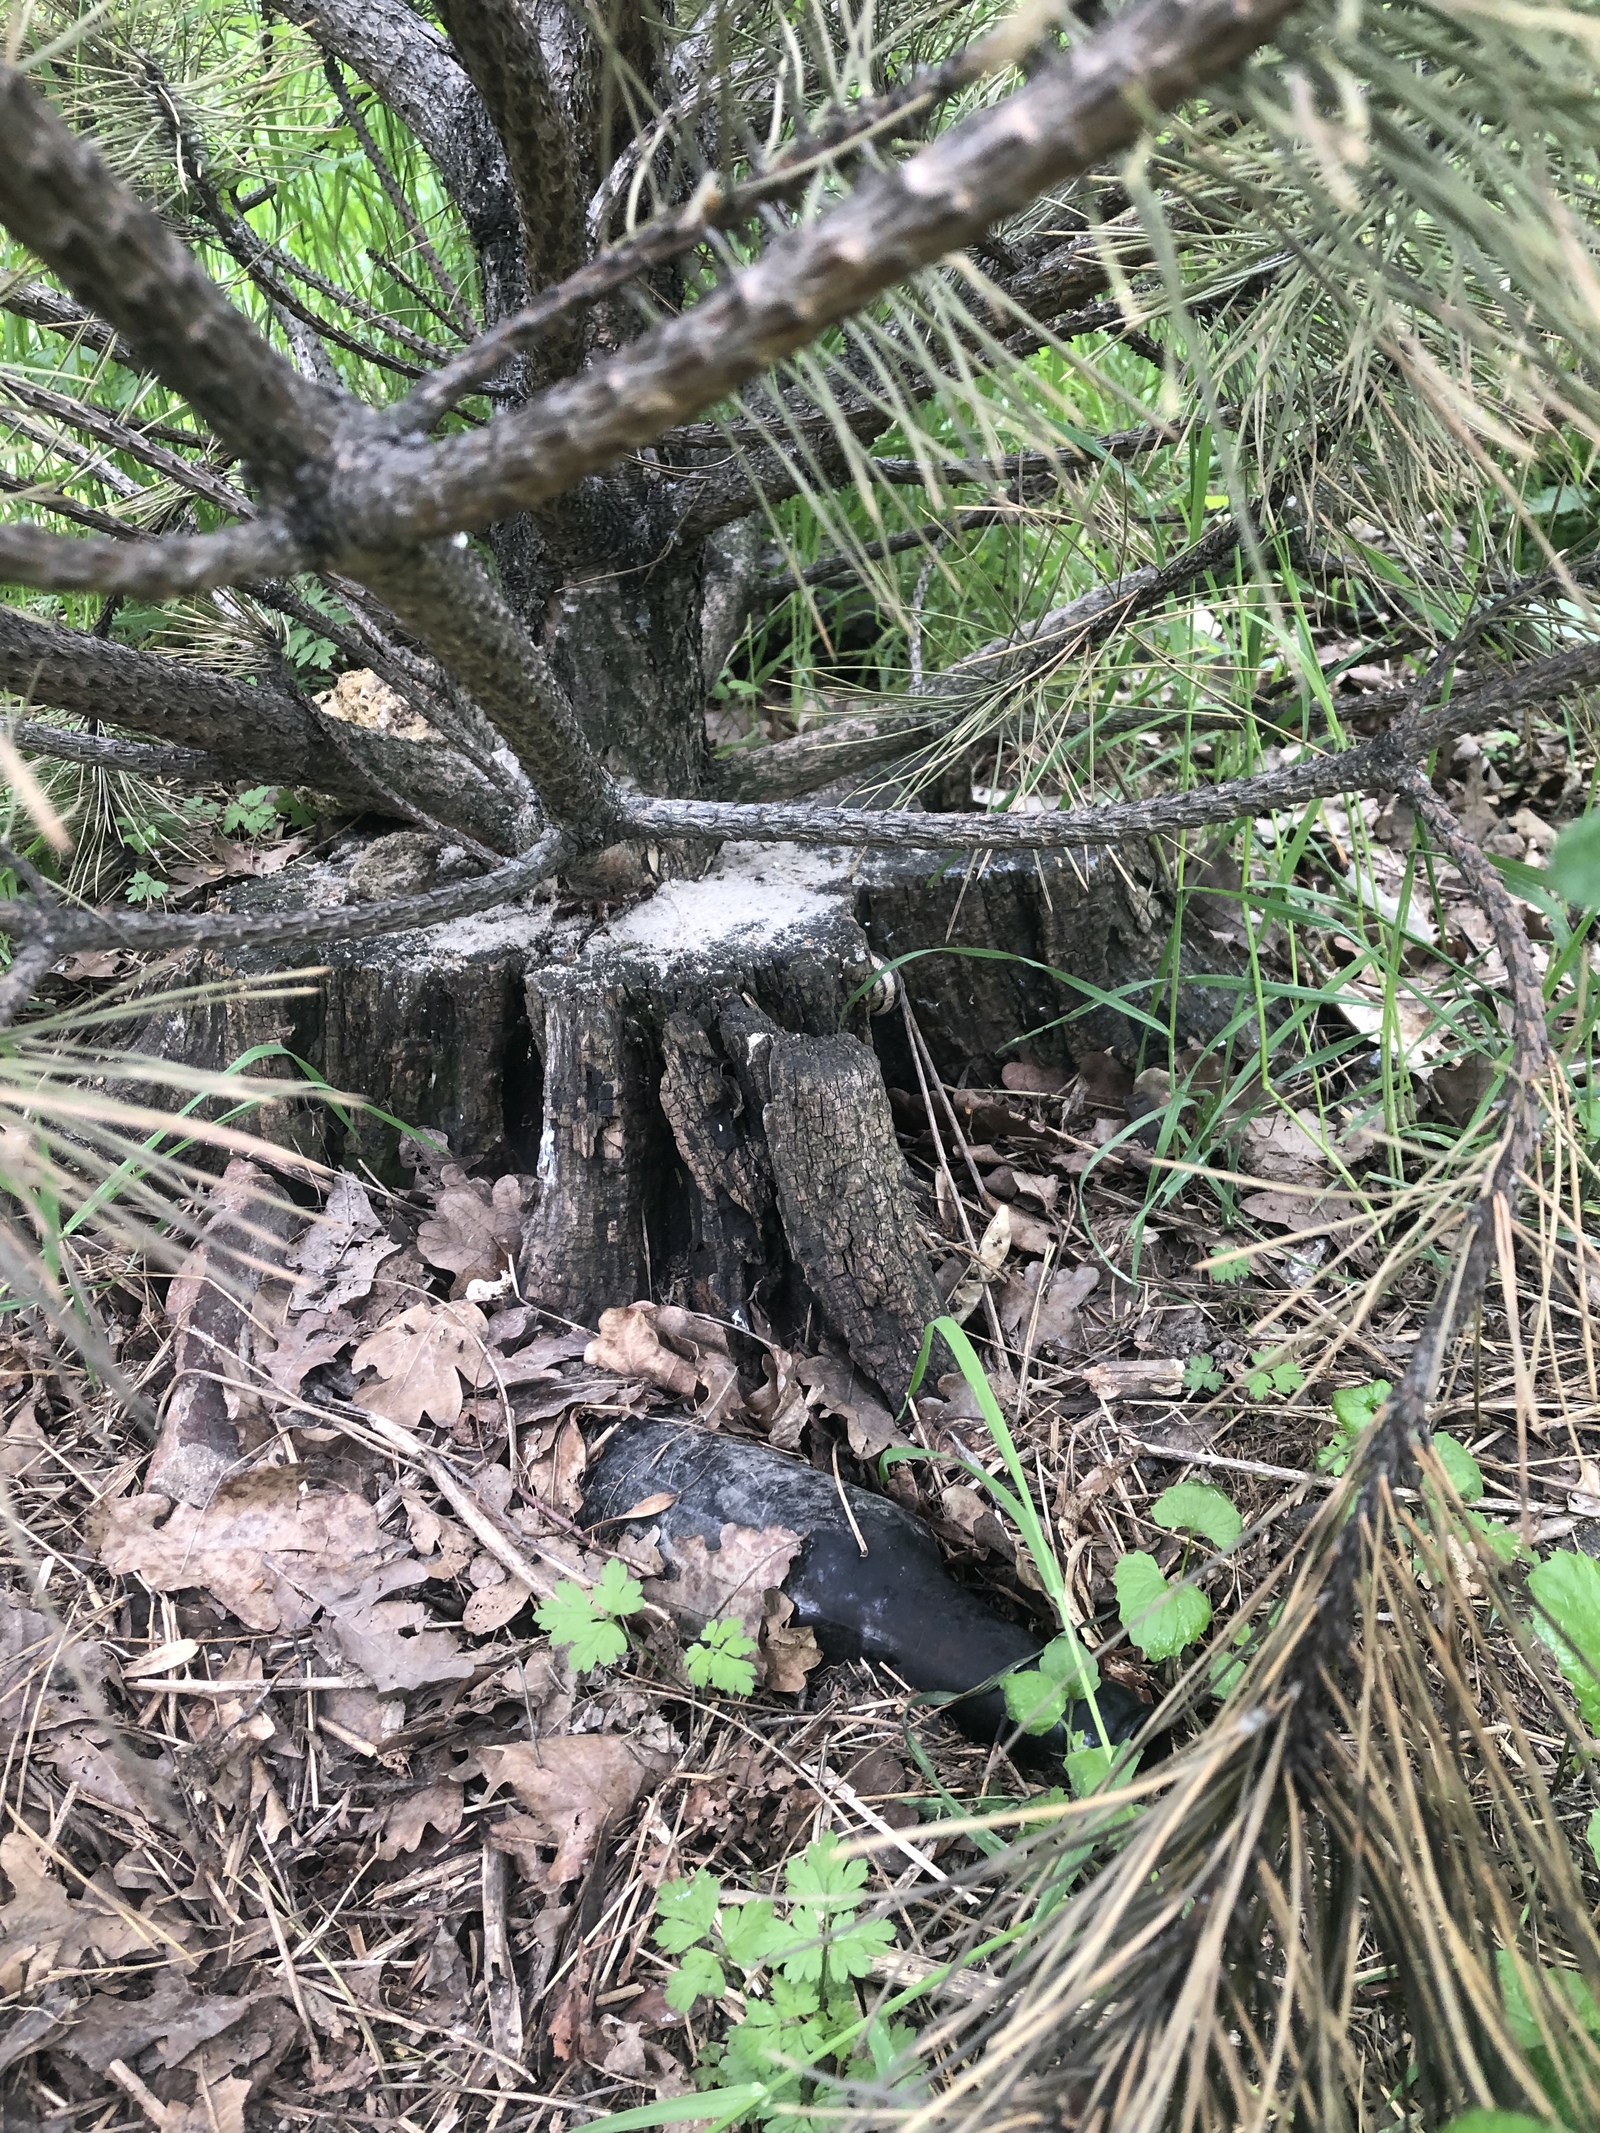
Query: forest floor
column 431, row 1791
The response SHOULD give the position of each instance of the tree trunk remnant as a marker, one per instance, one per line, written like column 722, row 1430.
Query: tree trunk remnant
column 698, row 1082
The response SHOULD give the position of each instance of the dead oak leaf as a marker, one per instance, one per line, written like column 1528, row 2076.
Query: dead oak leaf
column 42, row 1928
column 571, row 1787
column 729, row 1582
column 628, row 1344
column 787, row 1654
column 475, row 1227
column 439, row 1804
column 420, row 1359
column 305, row 1344
column 259, row 1546
column 396, row 1643
column 338, row 1256
column 839, row 1390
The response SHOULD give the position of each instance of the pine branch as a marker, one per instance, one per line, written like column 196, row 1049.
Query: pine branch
column 149, row 568
column 498, row 42
column 66, row 929
column 106, row 428
column 99, row 751
column 1070, row 116
column 117, row 256
column 408, row 64
column 41, row 305
column 459, row 315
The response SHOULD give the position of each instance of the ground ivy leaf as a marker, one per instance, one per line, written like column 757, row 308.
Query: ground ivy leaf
column 1033, row 1701
column 1161, row 1620
column 1197, row 1507
column 1567, row 1588
column 1065, row 1660
column 1461, row 1469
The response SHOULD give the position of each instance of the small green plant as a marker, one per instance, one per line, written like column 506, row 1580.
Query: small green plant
column 251, row 814
column 797, row 1974
column 1037, row 1697
column 1230, row 1268
column 1263, row 1382
column 1200, row 1374
column 1198, row 1508
column 1567, row 1589
column 1354, row 1406
column 1161, row 1619
column 722, row 1659
column 1557, row 2071
column 588, row 1624
column 1497, row 2122
column 143, row 888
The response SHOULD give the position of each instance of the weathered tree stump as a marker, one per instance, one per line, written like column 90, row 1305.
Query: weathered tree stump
column 697, row 1082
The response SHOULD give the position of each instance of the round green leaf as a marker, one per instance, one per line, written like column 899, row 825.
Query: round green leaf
column 1065, row 1660
column 1161, row 1621
column 1574, row 867
column 1196, row 1507
column 1461, row 1469
column 1033, row 1701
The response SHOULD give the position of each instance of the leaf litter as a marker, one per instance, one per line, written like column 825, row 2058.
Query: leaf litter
column 392, row 1532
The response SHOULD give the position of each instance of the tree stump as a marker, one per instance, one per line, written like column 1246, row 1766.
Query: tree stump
column 697, row 1082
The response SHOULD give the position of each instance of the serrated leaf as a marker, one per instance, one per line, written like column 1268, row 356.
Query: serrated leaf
column 1200, row 1374
column 1033, row 1701
column 720, row 1660
column 853, row 1949
column 1461, row 1469
column 589, row 1639
column 819, row 1873
column 1161, row 1620
column 1567, row 1588
column 687, row 1910
column 698, row 1977
column 1258, row 1385
column 752, row 1933
column 614, row 1592
column 1197, row 1507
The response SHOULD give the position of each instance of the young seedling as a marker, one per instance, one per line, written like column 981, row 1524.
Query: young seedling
column 722, row 1659
column 587, row 1624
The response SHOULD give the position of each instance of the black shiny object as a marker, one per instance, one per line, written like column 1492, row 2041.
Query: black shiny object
column 897, row 1603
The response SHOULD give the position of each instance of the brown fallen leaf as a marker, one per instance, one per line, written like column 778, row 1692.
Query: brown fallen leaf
column 307, row 1342
column 448, row 1547
column 557, row 1477
column 1285, row 1148
column 572, row 1787
column 476, row 1227
column 779, row 1403
column 395, row 1642
column 172, row 2015
column 787, row 1654
column 973, row 1517
column 705, row 1343
column 728, row 1582
column 43, row 1929
column 1026, row 1079
column 257, row 1546
column 339, row 1254
column 419, row 1360
column 1105, row 1082
column 1298, row 1211
column 838, row 1389
column 1458, row 1090
column 628, row 1344
column 438, row 1805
